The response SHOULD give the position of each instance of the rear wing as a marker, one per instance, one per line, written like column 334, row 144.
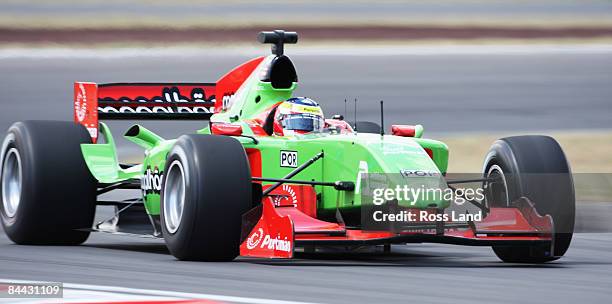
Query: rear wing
column 155, row 101
column 141, row 101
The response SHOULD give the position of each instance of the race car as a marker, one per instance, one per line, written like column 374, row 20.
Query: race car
column 268, row 175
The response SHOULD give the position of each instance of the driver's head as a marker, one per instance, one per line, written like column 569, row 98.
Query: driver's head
column 298, row 115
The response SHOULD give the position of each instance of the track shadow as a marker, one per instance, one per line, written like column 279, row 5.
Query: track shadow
column 135, row 247
column 403, row 257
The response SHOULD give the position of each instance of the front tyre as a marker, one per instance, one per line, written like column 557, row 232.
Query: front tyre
column 46, row 189
column 206, row 189
column 534, row 167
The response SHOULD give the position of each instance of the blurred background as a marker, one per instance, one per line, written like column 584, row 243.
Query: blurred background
column 470, row 71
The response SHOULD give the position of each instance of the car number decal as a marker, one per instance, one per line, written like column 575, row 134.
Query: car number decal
column 288, row 159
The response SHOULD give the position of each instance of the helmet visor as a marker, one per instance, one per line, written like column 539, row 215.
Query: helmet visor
column 303, row 122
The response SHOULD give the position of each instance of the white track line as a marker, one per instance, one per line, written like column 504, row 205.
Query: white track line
column 95, row 293
column 330, row 50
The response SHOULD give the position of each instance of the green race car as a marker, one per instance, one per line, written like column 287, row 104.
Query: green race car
column 268, row 175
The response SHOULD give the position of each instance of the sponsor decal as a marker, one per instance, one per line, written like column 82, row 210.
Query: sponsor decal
column 170, row 101
column 255, row 238
column 80, row 104
column 151, row 181
column 226, row 101
column 154, row 109
column 286, row 193
column 276, row 243
column 85, row 103
column 418, row 173
column 93, row 132
column 288, row 159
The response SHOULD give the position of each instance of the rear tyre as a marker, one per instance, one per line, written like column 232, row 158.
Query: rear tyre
column 46, row 189
column 206, row 190
column 534, row 167
column 367, row 127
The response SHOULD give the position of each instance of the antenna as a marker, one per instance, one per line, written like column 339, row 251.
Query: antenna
column 345, row 114
column 355, row 121
column 382, row 119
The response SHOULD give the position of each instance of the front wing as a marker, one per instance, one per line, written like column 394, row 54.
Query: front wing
column 271, row 231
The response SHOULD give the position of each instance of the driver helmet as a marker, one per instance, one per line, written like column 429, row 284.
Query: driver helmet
column 298, row 115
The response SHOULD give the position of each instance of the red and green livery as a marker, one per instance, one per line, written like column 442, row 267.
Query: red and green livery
column 235, row 187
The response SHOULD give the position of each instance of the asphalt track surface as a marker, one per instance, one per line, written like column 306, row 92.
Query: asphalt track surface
column 448, row 93
column 416, row 273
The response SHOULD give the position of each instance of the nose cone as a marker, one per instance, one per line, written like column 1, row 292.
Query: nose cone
column 401, row 162
column 394, row 154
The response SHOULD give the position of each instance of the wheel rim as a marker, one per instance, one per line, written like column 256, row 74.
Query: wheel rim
column 174, row 196
column 496, row 191
column 11, row 182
